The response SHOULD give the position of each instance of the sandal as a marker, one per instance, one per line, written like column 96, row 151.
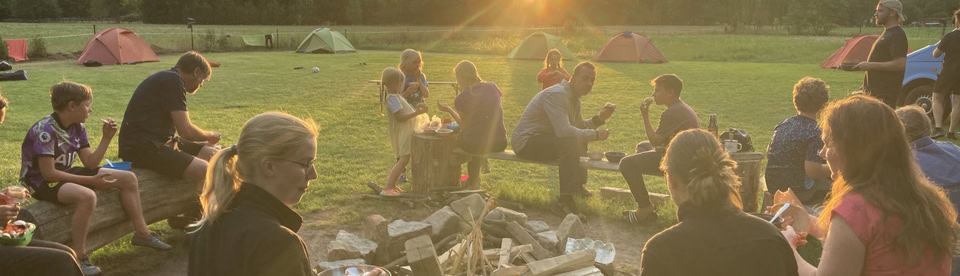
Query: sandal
column 639, row 219
column 389, row 192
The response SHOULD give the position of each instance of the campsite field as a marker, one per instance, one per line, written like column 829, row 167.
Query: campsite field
column 746, row 79
column 764, row 45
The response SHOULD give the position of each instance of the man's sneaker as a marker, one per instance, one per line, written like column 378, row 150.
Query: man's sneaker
column 937, row 133
column 151, row 242
column 88, row 269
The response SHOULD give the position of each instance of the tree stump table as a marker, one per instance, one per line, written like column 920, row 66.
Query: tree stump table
column 434, row 165
column 748, row 168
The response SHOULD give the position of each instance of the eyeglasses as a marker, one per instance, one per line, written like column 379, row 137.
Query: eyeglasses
column 305, row 166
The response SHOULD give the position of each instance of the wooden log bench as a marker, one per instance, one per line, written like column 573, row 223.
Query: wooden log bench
column 748, row 168
column 160, row 197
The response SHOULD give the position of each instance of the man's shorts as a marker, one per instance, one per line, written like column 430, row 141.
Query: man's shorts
column 48, row 192
column 165, row 160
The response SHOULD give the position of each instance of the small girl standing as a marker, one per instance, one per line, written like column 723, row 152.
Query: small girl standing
column 414, row 82
column 552, row 72
column 401, row 125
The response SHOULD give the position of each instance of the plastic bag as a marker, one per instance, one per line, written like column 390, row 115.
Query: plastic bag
column 422, row 122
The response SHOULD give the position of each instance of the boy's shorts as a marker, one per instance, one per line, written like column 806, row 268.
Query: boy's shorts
column 48, row 192
column 166, row 160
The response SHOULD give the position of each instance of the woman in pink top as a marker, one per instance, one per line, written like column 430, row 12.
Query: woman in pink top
column 884, row 217
column 552, row 72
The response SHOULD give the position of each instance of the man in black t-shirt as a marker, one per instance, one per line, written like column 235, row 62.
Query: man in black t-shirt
column 157, row 111
column 888, row 57
column 948, row 81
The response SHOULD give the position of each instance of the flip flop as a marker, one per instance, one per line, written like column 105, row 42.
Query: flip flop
column 389, row 193
column 376, row 188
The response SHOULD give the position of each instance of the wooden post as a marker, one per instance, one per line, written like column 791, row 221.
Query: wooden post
column 434, row 165
column 422, row 257
column 748, row 168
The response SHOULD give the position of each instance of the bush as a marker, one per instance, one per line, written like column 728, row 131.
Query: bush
column 4, row 54
column 208, row 41
column 223, row 43
column 38, row 48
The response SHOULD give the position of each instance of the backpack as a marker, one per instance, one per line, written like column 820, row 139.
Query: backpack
column 741, row 136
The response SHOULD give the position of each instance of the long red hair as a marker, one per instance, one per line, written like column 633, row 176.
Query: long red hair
column 879, row 165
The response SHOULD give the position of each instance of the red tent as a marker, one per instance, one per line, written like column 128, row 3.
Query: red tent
column 855, row 50
column 115, row 46
column 17, row 49
column 630, row 47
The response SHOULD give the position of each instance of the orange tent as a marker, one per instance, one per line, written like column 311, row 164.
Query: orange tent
column 630, row 47
column 115, row 46
column 855, row 50
column 17, row 49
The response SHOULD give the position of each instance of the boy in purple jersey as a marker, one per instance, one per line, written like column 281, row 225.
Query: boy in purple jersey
column 48, row 152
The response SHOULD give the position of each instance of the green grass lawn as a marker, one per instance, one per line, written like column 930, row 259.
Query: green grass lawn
column 746, row 79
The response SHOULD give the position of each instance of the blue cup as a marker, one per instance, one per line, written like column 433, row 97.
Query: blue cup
column 123, row 166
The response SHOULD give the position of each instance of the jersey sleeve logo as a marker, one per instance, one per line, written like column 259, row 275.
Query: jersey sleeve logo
column 44, row 137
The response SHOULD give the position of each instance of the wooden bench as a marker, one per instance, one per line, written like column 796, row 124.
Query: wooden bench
column 748, row 168
column 160, row 197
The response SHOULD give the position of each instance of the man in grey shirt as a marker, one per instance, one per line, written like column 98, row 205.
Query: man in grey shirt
column 552, row 129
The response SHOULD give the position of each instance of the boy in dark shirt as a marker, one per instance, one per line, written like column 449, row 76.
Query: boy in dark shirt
column 947, row 81
column 888, row 57
column 678, row 117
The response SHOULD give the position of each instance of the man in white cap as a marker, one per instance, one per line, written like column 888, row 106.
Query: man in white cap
column 888, row 57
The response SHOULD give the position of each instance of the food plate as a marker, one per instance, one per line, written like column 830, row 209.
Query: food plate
column 23, row 239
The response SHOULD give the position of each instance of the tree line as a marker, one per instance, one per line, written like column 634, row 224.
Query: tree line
column 799, row 16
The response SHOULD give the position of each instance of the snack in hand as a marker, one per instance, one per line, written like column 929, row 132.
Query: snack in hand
column 647, row 101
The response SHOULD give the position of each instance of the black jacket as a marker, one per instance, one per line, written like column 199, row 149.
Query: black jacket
column 718, row 241
column 256, row 236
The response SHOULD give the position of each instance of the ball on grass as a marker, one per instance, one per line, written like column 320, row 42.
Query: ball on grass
column 316, row 69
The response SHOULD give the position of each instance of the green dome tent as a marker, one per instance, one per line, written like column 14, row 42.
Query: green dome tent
column 324, row 40
column 536, row 45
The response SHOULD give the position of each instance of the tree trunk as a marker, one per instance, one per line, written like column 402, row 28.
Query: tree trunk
column 160, row 197
column 434, row 165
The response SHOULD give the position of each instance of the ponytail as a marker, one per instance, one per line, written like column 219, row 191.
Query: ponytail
column 268, row 135
column 695, row 158
column 220, row 187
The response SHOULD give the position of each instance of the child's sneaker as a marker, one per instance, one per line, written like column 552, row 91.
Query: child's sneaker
column 150, row 241
column 88, row 269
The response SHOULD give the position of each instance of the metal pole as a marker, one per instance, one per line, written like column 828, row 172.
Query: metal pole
column 191, row 38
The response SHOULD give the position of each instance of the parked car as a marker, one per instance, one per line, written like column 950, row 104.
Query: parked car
column 919, row 77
